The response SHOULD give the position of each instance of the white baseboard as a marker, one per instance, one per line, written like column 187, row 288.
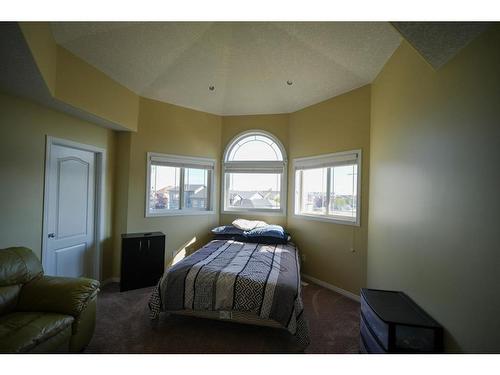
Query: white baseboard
column 110, row 280
column 324, row 284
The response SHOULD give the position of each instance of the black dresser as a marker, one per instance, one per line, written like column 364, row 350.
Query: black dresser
column 391, row 322
column 143, row 259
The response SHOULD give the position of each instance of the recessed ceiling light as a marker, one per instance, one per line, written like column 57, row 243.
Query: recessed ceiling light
column 289, row 83
column 211, row 88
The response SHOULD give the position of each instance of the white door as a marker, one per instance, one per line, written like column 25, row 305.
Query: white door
column 70, row 212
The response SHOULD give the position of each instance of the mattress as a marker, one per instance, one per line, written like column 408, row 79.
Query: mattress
column 246, row 282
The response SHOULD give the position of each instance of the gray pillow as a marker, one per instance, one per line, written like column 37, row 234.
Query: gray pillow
column 227, row 230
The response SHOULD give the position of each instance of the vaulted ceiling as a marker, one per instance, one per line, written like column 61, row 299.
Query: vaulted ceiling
column 247, row 63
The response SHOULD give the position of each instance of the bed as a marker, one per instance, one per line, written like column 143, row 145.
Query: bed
column 244, row 282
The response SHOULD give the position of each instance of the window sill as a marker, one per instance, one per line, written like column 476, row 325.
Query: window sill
column 253, row 212
column 332, row 220
column 181, row 213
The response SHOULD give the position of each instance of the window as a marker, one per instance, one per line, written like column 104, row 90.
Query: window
column 327, row 187
column 255, row 174
column 178, row 185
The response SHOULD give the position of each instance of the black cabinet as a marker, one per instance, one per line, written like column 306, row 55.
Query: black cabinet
column 391, row 322
column 143, row 259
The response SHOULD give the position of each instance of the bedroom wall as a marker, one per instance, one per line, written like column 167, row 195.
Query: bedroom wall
column 62, row 71
column 43, row 47
column 170, row 129
column 97, row 93
column 120, row 204
column 234, row 125
column 433, row 226
column 25, row 126
column 338, row 124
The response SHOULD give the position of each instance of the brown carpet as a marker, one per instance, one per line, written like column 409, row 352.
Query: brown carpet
column 123, row 326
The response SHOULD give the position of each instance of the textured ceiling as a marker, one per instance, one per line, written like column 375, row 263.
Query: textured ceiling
column 439, row 42
column 247, row 62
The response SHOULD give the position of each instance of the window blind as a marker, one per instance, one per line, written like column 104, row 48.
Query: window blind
column 325, row 161
column 181, row 161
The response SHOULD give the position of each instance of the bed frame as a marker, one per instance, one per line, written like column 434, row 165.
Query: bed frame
column 230, row 316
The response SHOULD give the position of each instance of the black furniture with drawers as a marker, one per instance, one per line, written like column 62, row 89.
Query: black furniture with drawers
column 391, row 322
column 143, row 259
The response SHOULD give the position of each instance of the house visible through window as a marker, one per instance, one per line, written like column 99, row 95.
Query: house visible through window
column 165, row 187
column 327, row 187
column 255, row 174
column 178, row 185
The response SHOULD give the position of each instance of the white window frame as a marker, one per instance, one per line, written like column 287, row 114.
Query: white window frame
column 325, row 161
column 182, row 161
column 254, row 167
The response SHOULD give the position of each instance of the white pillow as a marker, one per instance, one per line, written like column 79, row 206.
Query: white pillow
column 248, row 224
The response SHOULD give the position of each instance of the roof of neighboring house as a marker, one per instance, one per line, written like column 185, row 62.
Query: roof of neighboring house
column 271, row 195
column 247, row 194
column 255, row 203
column 264, row 194
column 199, row 191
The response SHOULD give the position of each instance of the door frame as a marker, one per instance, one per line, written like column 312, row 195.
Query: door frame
column 99, row 202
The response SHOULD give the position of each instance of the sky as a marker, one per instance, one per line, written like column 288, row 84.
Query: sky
column 255, row 148
column 170, row 176
column 253, row 181
column 343, row 184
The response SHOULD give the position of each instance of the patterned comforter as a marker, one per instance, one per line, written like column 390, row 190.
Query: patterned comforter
column 227, row 275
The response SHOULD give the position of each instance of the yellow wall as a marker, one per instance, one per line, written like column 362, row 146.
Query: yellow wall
column 338, row 124
column 169, row 129
column 120, row 204
column 77, row 83
column 234, row 125
column 24, row 126
column 44, row 49
column 83, row 86
column 433, row 227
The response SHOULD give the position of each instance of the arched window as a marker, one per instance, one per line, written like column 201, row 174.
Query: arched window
column 255, row 147
column 254, row 168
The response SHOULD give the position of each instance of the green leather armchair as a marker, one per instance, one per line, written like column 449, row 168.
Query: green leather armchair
column 42, row 314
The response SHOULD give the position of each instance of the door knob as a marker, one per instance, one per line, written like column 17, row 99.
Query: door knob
column 52, row 235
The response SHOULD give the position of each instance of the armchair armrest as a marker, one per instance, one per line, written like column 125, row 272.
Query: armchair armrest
column 64, row 295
